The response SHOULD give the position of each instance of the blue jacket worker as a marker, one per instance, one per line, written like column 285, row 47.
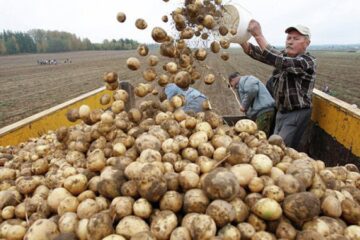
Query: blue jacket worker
column 255, row 99
column 193, row 98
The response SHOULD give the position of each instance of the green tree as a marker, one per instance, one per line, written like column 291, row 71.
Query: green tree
column 11, row 45
column 2, row 47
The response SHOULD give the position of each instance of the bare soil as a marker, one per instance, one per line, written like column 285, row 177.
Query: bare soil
column 27, row 88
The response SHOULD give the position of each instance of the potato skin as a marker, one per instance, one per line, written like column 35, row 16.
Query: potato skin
column 300, row 207
column 221, row 184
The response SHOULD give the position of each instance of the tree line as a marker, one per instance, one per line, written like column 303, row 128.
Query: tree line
column 41, row 41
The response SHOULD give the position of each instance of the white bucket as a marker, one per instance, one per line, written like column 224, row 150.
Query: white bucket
column 236, row 17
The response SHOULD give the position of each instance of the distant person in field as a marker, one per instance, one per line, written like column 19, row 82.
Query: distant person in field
column 194, row 99
column 292, row 80
column 256, row 101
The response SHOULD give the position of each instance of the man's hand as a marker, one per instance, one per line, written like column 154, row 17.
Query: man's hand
column 242, row 109
column 254, row 28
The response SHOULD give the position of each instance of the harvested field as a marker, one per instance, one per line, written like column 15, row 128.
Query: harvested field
column 28, row 88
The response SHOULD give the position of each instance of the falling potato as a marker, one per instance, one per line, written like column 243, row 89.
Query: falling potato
column 204, row 36
column 209, row 22
column 171, row 67
column 110, row 77
column 200, row 54
column 209, row 79
column 121, row 17
column 133, row 63
column 158, row 34
column 223, row 30
column 224, row 44
column 163, row 80
column 153, row 60
column 215, row 47
column 142, row 50
column 165, row 18
column 149, row 74
column 225, row 56
column 140, row 23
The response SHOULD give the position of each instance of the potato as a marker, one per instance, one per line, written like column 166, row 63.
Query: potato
column 158, row 34
column 246, row 125
column 221, row 212
column 151, row 184
column 172, row 180
column 180, row 233
column 114, row 237
column 243, row 173
column 300, row 207
column 197, row 138
column 81, row 229
column 131, row 225
column 170, row 145
column 273, row 192
column 142, row 208
column 87, row 208
column 68, row 204
column 99, row 226
column 172, row 201
column 352, row 232
column 309, row 235
column 76, row 184
column 42, row 229
column 146, row 141
column 96, row 160
column 229, row 232
column 246, row 230
column 261, row 163
column 163, row 224
column 188, row 180
column 285, row 230
column 238, row 153
column 56, row 196
column 289, row 184
column 256, row 184
column 256, row 222
column 195, row 200
column 202, row 227
column 140, row 23
column 331, row 207
column 241, row 210
column 8, row 212
column 262, row 235
column 121, row 17
column 221, row 141
column 303, row 170
column 350, row 211
column 221, row 184
column 267, row 209
column 110, row 182
column 68, row 222
column 27, row 184
column 121, row 207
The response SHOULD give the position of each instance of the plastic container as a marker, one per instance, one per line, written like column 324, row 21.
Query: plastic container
column 237, row 17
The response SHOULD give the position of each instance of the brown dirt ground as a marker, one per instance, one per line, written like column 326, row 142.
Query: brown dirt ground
column 27, row 88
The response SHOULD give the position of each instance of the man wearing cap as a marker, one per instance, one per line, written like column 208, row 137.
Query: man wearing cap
column 292, row 80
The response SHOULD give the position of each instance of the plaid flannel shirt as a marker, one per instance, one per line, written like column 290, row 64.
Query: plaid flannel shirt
column 293, row 78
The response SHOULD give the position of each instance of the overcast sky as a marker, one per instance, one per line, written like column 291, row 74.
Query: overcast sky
column 330, row 21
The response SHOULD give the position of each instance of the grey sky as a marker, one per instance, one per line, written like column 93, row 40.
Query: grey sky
column 330, row 21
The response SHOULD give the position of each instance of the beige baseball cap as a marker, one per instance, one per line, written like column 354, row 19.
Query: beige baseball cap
column 301, row 29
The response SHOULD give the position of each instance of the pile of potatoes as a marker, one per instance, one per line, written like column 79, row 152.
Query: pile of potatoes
column 155, row 172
